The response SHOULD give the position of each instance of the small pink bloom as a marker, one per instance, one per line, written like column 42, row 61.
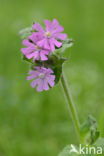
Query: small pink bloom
column 50, row 35
column 43, row 77
column 33, row 50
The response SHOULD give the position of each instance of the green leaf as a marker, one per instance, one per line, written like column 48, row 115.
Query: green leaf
column 66, row 152
column 89, row 130
column 72, row 150
column 26, row 59
column 24, row 33
column 87, row 124
column 57, row 72
column 94, row 135
column 100, row 143
column 66, row 44
column 58, row 62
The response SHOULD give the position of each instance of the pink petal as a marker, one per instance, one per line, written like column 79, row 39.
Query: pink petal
column 46, row 44
column 43, row 69
column 29, row 56
column 60, row 36
column 31, row 77
column 46, row 52
column 57, row 43
column 34, row 83
column 27, row 43
column 59, row 29
column 37, row 68
column 36, row 55
column 51, row 80
column 33, row 72
column 26, row 51
column 41, row 43
column 43, row 57
column 40, row 85
column 47, row 24
column 38, row 27
column 55, row 23
column 45, row 85
column 49, row 71
column 36, row 36
column 51, row 42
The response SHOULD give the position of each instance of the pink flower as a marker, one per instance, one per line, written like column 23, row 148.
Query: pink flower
column 33, row 50
column 50, row 35
column 43, row 77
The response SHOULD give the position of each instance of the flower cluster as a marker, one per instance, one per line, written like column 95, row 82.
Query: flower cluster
column 38, row 46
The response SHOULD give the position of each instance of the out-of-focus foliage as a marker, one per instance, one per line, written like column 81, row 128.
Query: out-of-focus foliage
column 39, row 124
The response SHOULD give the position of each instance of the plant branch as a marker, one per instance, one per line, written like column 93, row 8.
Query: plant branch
column 71, row 106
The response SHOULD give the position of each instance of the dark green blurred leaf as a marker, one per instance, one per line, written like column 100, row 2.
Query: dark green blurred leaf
column 57, row 72
column 26, row 59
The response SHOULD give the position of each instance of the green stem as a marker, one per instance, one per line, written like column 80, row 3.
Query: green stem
column 71, row 106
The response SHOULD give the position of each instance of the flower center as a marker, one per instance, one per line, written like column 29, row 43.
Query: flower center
column 42, row 75
column 48, row 34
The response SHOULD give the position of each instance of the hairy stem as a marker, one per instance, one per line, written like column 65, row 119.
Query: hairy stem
column 71, row 106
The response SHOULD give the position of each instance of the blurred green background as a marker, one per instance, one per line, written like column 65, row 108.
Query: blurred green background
column 37, row 124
